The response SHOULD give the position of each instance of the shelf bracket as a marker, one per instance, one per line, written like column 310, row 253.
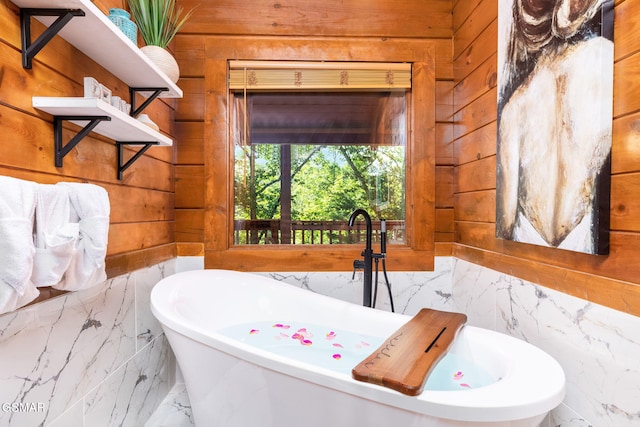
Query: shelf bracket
column 155, row 92
column 122, row 166
column 62, row 150
column 29, row 49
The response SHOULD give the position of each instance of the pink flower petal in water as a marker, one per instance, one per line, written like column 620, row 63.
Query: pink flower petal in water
column 458, row 375
column 296, row 336
column 337, row 356
column 254, row 331
column 365, row 344
column 280, row 325
column 338, row 345
column 282, row 334
column 465, row 385
column 305, row 342
column 331, row 335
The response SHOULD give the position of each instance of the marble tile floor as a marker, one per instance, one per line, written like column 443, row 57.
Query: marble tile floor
column 174, row 411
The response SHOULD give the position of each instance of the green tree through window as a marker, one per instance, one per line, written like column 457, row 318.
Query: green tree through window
column 309, row 159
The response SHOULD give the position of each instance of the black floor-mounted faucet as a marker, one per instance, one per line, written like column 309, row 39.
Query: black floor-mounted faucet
column 367, row 254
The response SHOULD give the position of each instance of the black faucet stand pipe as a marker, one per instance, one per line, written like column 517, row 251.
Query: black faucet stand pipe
column 367, row 254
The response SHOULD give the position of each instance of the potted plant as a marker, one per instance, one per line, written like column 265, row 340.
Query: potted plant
column 158, row 22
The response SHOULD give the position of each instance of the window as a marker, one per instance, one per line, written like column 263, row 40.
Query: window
column 303, row 161
column 419, row 58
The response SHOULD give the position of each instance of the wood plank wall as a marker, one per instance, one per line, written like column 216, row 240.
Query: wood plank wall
column 334, row 19
column 145, row 226
column 612, row 280
column 142, row 204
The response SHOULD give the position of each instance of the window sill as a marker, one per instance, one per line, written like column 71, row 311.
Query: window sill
column 313, row 258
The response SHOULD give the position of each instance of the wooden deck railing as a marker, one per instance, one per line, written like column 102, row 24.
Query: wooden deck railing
column 275, row 231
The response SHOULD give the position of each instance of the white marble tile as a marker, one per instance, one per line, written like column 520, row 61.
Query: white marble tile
column 424, row 289
column 174, row 411
column 56, row 351
column 73, row 416
column 132, row 393
column 147, row 326
column 334, row 284
column 598, row 347
column 474, row 293
column 188, row 263
column 411, row 290
column 79, row 350
column 563, row 416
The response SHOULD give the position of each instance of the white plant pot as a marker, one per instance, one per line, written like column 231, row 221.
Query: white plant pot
column 164, row 60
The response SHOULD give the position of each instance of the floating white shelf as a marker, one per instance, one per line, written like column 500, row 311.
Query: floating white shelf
column 98, row 38
column 122, row 127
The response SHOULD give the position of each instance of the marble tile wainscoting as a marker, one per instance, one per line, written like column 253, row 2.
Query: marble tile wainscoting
column 598, row 347
column 411, row 290
column 92, row 358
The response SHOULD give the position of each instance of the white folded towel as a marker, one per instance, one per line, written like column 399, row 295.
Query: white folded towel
column 55, row 236
column 90, row 208
column 17, row 206
column 10, row 300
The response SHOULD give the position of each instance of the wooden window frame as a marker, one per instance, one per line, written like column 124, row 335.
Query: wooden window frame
column 418, row 252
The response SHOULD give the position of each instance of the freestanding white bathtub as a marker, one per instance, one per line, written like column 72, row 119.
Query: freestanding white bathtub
column 255, row 352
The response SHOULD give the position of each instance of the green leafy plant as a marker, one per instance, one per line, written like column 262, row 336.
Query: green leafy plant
column 158, row 20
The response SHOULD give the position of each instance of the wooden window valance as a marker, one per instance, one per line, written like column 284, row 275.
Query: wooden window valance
column 298, row 75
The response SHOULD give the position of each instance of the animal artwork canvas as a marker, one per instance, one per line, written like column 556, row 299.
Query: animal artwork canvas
column 555, row 98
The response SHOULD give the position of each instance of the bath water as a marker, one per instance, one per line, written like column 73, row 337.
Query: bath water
column 341, row 351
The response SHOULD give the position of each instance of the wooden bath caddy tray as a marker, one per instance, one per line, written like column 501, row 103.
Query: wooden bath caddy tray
column 403, row 362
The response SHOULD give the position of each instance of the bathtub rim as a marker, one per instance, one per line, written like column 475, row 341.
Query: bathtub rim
column 496, row 402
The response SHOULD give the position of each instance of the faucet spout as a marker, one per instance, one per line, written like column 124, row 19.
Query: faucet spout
column 367, row 254
column 367, row 219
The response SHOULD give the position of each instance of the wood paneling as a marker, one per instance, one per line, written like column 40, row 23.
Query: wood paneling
column 627, row 41
column 189, row 187
column 475, row 115
column 626, row 89
column 217, row 157
column 476, row 206
column 190, row 249
column 190, row 225
column 611, row 280
column 444, row 144
column 191, row 106
column 625, row 210
column 626, row 144
column 139, row 235
column 477, row 83
column 340, row 18
column 476, row 145
column 480, row 16
column 444, row 223
column 445, row 186
column 142, row 204
column 253, row 30
column 478, row 175
column 478, row 52
column 135, row 260
column 444, row 101
column 190, row 148
column 464, row 43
